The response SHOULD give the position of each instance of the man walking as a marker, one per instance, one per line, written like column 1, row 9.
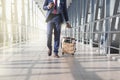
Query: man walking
column 56, row 14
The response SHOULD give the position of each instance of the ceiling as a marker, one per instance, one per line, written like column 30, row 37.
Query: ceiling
column 40, row 4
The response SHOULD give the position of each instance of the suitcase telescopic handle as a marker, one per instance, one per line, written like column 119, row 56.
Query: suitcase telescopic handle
column 68, row 32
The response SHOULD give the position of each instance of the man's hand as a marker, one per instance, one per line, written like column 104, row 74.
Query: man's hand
column 68, row 25
column 50, row 5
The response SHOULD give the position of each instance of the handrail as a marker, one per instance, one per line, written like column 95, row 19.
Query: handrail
column 114, row 16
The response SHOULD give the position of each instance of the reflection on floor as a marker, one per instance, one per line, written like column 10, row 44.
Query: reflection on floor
column 29, row 61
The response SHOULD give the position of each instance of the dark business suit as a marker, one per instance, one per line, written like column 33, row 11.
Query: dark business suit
column 54, row 22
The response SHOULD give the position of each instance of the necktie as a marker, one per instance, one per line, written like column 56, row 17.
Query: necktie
column 55, row 7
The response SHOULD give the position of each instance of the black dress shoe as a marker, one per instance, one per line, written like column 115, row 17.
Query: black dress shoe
column 49, row 52
column 56, row 56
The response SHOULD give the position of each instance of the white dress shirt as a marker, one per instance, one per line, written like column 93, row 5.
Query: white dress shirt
column 58, row 2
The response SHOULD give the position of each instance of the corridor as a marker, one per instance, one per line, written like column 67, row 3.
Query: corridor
column 23, row 48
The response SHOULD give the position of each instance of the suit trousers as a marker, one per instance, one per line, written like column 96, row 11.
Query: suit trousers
column 54, row 25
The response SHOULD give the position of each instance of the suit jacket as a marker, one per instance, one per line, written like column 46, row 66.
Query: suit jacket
column 62, row 10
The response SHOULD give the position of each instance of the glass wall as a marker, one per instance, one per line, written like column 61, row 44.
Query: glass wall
column 19, row 21
column 96, row 23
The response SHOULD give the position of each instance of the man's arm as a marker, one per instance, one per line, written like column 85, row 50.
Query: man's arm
column 65, row 13
column 47, row 5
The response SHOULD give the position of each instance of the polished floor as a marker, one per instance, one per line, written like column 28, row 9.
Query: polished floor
column 29, row 61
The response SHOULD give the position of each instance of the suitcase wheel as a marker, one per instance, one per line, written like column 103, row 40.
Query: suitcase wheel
column 62, row 53
column 72, row 53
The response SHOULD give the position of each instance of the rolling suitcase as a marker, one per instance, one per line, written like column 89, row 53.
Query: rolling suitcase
column 68, row 45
